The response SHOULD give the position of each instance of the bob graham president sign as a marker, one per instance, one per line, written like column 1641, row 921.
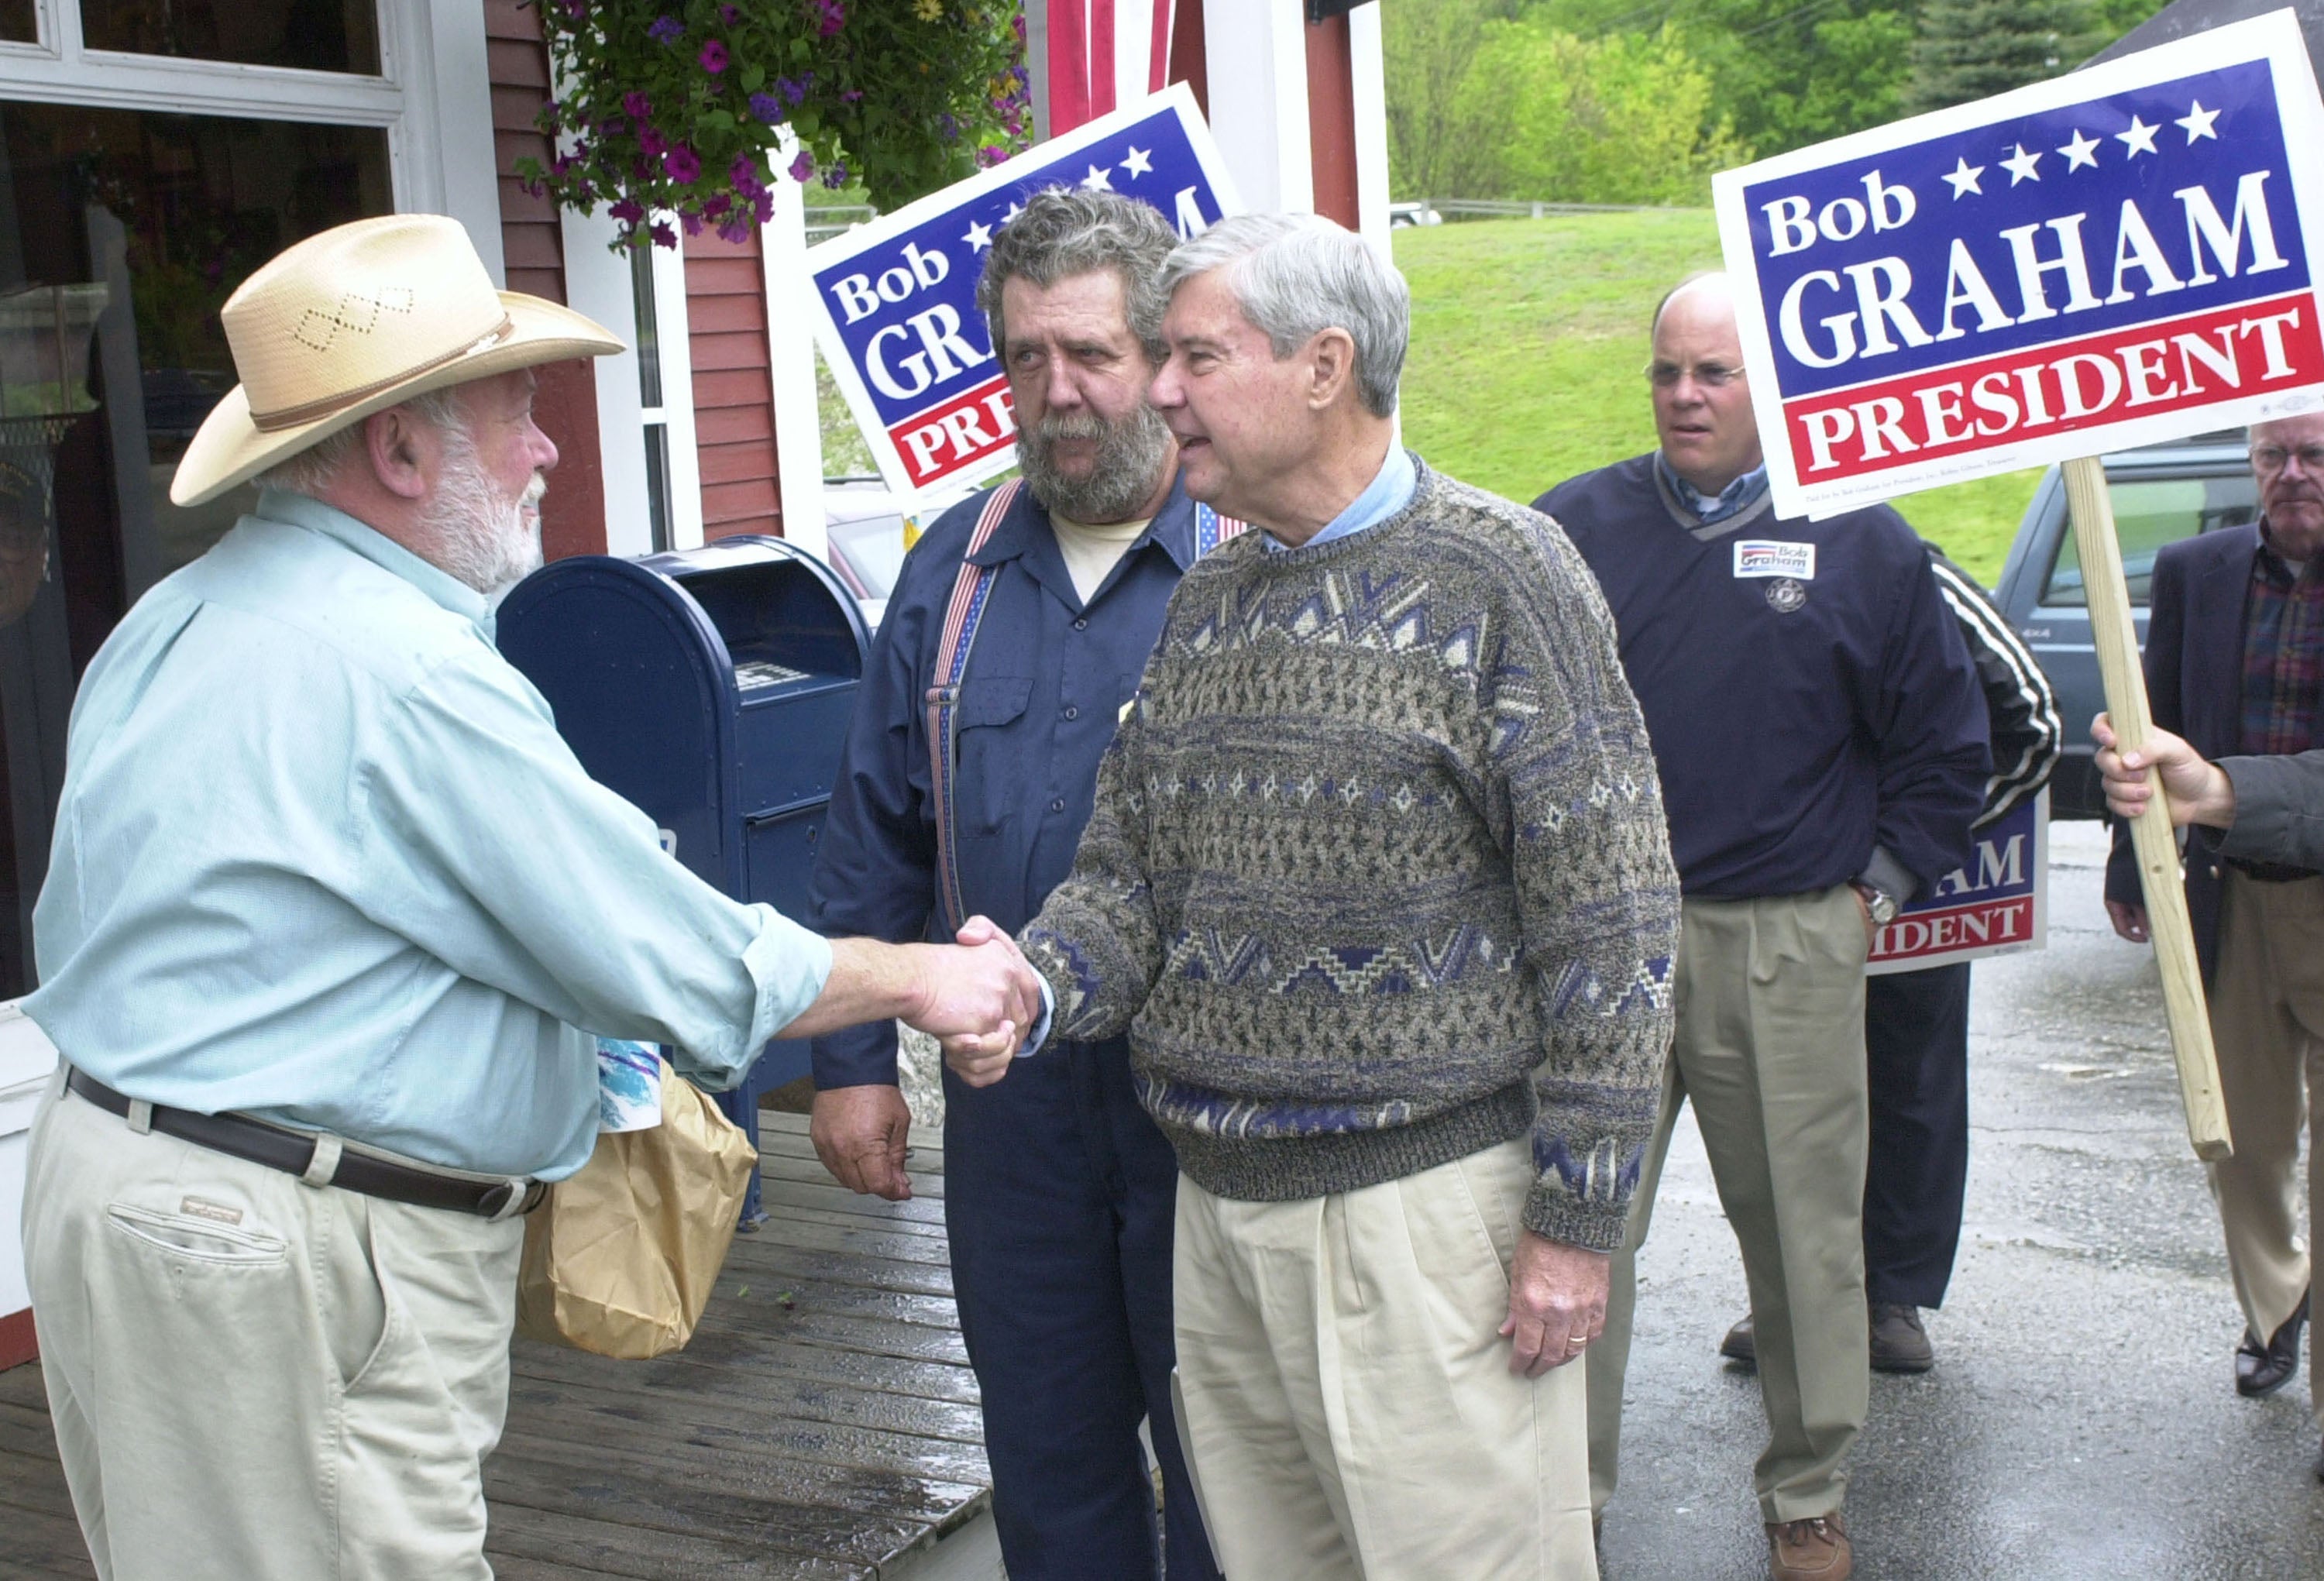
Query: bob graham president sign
column 2125, row 254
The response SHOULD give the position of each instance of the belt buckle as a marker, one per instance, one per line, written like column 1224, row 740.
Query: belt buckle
column 511, row 1198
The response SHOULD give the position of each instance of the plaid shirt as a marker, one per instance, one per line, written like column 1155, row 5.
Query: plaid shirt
column 2283, row 654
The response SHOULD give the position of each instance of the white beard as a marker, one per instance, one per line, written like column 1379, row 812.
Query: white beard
column 478, row 532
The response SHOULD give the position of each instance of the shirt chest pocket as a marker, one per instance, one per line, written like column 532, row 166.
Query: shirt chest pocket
column 997, row 769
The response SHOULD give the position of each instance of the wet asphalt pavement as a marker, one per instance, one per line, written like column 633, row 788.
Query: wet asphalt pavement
column 2081, row 1419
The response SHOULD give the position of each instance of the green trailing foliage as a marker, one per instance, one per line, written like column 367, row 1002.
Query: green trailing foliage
column 690, row 107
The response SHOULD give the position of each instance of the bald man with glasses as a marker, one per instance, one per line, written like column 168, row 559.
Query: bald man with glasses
column 1822, row 739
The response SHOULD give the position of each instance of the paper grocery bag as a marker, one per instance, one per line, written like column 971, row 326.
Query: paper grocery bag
column 621, row 1258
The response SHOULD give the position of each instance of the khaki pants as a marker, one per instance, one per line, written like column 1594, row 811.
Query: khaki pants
column 254, row 1379
column 1770, row 1046
column 1345, row 1400
column 2267, row 1021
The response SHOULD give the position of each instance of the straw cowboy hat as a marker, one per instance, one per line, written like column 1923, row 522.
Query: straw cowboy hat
column 354, row 320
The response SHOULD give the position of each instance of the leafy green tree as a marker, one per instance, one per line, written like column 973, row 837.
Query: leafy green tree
column 1625, row 118
column 1428, row 48
column 1973, row 49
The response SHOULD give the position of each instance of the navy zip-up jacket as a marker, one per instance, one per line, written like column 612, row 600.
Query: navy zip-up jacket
column 1798, row 722
column 1045, row 686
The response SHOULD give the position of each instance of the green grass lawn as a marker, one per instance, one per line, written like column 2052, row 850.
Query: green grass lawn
column 1528, row 340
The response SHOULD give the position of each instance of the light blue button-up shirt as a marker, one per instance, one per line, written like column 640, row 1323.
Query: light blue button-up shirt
column 322, row 857
column 1390, row 492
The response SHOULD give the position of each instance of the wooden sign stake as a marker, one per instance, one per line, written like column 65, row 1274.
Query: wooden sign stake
column 2157, row 848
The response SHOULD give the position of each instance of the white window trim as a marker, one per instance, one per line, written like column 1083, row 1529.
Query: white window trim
column 597, row 282
column 670, row 332
column 790, row 358
column 433, row 94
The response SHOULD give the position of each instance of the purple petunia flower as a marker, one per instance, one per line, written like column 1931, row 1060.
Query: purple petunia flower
column 663, row 237
column 682, row 164
column 652, row 142
column 835, row 16
column 692, row 222
column 666, row 30
column 744, row 170
column 768, row 108
column 803, row 167
column 793, row 91
column 629, row 211
column 713, row 58
column 736, row 230
column 852, row 95
column 716, row 205
column 835, row 176
column 728, row 16
column 636, row 104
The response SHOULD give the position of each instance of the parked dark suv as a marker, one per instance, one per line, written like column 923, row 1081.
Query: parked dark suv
column 2161, row 493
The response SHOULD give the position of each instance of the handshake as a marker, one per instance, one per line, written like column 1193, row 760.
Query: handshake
column 978, row 998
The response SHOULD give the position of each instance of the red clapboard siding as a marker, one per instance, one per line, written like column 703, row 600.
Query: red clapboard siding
column 565, row 404
column 733, row 386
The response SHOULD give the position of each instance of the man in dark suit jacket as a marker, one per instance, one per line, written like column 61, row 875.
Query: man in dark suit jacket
column 2234, row 663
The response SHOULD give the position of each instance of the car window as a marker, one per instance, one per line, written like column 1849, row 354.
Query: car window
column 2148, row 513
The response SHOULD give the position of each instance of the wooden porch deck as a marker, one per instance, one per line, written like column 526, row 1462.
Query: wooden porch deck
column 823, row 1425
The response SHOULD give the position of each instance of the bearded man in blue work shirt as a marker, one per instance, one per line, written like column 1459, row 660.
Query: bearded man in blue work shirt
column 328, row 902
column 1822, row 738
column 1059, row 1190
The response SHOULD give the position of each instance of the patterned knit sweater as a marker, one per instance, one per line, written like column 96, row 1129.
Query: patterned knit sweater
column 1378, row 875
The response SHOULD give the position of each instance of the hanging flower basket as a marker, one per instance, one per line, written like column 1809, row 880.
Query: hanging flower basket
column 691, row 106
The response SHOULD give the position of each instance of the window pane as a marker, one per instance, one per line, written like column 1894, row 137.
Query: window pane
column 19, row 23
column 320, row 35
column 2148, row 513
column 121, row 235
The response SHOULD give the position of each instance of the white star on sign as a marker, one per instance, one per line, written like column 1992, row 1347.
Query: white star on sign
column 1140, row 163
column 2139, row 140
column 979, row 238
column 2082, row 151
column 2021, row 168
column 1014, row 211
column 2197, row 121
column 1964, row 177
column 1097, row 180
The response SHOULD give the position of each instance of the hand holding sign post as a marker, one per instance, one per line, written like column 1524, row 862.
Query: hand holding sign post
column 2121, row 256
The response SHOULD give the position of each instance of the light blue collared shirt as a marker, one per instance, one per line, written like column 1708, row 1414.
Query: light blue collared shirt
column 1717, row 507
column 322, row 856
column 1390, row 492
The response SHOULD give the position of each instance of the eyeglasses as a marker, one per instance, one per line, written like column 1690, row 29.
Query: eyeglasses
column 2270, row 458
column 1711, row 375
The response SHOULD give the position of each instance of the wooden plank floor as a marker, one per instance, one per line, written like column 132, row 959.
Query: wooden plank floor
column 821, row 1426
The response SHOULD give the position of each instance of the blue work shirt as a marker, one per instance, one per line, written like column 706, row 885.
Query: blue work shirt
column 322, row 857
column 1044, row 689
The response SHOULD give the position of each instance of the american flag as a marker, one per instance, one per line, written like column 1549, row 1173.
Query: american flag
column 1104, row 54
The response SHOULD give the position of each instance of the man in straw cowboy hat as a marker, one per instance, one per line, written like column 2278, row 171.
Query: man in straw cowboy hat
column 329, row 899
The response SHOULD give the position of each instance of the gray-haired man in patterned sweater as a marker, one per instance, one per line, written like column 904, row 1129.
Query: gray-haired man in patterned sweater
column 1378, row 884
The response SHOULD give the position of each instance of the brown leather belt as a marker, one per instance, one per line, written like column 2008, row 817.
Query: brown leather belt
column 294, row 1152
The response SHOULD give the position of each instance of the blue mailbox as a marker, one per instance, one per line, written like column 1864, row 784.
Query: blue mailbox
column 713, row 688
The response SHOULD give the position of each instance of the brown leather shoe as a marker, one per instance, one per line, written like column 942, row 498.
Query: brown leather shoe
column 1742, row 1343
column 2263, row 1369
column 1899, row 1343
column 1815, row 1549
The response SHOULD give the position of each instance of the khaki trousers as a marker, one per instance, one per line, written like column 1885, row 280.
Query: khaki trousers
column 1770, row 1046
column 1345, row 1400
column 254, row 1379
column 2267, row 1022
